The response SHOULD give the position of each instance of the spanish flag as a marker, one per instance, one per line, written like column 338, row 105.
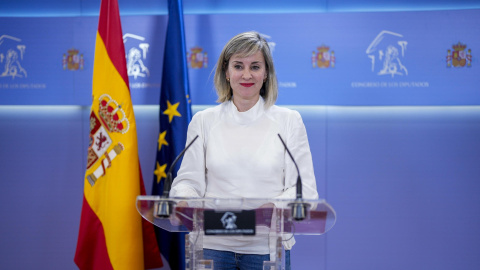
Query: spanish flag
column 112, row 233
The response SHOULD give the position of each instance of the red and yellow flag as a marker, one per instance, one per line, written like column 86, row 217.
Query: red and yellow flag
column 112, row 233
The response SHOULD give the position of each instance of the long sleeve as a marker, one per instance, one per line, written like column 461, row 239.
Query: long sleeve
column 190, row 180
column 297, row 143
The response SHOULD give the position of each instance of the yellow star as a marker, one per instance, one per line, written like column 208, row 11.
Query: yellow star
column 160, row 172
column 171, row 111
column 161, row 140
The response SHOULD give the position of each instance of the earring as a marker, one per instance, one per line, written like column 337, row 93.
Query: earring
column 228, row 79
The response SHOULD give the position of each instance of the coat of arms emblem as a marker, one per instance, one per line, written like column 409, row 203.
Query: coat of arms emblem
column 323, row 57
column 197, row 58
column 73, row 60
column 111, row 118
column 459, row 57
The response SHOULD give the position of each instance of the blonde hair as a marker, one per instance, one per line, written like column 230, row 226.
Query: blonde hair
column 246, row 44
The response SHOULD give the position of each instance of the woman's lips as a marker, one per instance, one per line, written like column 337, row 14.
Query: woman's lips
column 247, row 84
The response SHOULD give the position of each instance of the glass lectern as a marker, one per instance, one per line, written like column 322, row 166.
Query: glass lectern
column 274, row 220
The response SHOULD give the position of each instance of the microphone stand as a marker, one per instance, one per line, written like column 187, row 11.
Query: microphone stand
column 298, row 207
column 164, row 208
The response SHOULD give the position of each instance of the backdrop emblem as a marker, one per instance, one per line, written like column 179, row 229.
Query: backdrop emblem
column 197, row 58
column 459, row 57
column 73, row 60
column 323, row 57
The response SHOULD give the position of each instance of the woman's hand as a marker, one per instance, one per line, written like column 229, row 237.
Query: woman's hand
column 182, row 204
column 174, row 220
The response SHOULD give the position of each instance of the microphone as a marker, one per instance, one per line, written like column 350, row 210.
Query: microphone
column 164, row 208
column 299, row 208
column 168, row 181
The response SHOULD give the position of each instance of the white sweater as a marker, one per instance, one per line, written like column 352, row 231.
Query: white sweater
column 239, row 155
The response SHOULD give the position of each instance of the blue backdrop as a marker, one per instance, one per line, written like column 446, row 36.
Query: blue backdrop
column 394, row 58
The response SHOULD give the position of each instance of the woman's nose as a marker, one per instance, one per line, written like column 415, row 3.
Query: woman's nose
column 246, row 74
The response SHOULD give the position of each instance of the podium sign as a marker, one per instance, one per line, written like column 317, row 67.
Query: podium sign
column 229, row 222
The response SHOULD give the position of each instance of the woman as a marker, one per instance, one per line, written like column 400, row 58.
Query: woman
column 238, row 153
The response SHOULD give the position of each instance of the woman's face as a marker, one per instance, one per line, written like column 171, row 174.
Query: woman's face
column 246, row 75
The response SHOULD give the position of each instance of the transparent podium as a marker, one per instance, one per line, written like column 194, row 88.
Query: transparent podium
column 274, row 221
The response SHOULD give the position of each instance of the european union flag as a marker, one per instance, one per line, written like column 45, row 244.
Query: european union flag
column 175, row 114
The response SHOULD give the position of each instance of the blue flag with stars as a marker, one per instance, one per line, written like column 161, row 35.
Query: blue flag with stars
column 175, row 114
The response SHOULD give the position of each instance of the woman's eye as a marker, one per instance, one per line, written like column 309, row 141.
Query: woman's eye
column 237, row 66
column 255, row 67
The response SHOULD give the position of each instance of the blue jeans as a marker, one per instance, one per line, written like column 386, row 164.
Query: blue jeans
column 227, row 260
